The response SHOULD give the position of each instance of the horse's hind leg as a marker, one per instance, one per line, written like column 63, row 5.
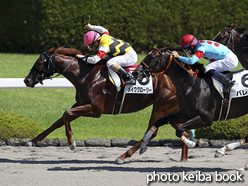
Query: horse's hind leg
column 59, row 123
column 131, row 151
column 160, row 112
column 231, row 146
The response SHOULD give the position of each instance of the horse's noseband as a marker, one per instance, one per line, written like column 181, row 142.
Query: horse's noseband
column 48, row 70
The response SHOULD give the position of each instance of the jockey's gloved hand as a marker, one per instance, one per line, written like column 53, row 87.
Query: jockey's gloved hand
column 79, row 56
column 175, row 54
column 88, row 26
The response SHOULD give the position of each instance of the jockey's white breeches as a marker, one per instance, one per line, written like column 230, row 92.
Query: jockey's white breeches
column 130, row 58
column 229, row 62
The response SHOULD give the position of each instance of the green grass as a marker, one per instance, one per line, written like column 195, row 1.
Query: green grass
column 45, row 106
column 14, row 125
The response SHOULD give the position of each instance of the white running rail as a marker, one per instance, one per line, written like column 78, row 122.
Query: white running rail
column 17, row 83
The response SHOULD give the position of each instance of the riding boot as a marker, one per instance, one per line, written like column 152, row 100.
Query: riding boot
column 127, row 77
column 227, row 83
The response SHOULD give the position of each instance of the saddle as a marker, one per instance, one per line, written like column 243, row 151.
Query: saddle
column 144, row 87
column 116, row 79
column 240, row 89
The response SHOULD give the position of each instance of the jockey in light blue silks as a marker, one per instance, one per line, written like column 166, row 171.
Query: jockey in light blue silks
column 220, row 58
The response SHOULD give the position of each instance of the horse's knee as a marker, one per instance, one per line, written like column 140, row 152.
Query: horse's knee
column 208, row 124
column 97, row 114
column 66, row 114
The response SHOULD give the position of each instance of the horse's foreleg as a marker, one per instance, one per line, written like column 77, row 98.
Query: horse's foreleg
column 231, row 146
column 59, row 123
column 73, row 113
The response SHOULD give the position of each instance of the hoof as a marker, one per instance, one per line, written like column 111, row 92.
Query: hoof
column 246, row 167
column 219, row 153
column 119, row 161
column 72, row 146
column 143, row 148
column 29, row 144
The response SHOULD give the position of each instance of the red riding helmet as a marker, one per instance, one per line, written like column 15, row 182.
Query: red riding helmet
column 188, row 40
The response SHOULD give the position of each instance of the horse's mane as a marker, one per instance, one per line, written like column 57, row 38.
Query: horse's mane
column 67, row 51
column 170, row 47
column 200, row 67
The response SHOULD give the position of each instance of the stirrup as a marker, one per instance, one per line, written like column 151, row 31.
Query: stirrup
column 130, row 81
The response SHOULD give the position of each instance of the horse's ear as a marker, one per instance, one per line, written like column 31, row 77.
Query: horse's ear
column 52, row 50
column 234, row 24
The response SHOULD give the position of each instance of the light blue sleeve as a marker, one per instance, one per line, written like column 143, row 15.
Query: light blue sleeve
column 189, row 60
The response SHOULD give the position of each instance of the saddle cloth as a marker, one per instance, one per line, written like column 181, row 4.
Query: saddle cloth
column 144, row 87
column 240, row 88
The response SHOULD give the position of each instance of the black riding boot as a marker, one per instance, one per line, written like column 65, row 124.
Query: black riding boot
column 128, row 78
column 227, row 83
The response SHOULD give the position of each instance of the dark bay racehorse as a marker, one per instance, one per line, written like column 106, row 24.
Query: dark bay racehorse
column 199, row 101
column 236, row 39
column 95, row 94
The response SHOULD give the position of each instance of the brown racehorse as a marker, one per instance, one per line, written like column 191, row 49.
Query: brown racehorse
column 199, row 102
column 95, row 94
column 236, row 39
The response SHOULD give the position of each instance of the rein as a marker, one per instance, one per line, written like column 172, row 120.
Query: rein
column 148, row 70
column 65, row 68
column 230, row 39
column 189, row 69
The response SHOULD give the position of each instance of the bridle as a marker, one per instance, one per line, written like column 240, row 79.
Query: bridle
column 229, row 37
column 148, row 70
column 49, row 68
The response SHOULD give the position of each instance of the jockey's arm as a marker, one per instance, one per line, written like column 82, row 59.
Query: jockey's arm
column 192, row 60
column 96, row 58
column 99, row 29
